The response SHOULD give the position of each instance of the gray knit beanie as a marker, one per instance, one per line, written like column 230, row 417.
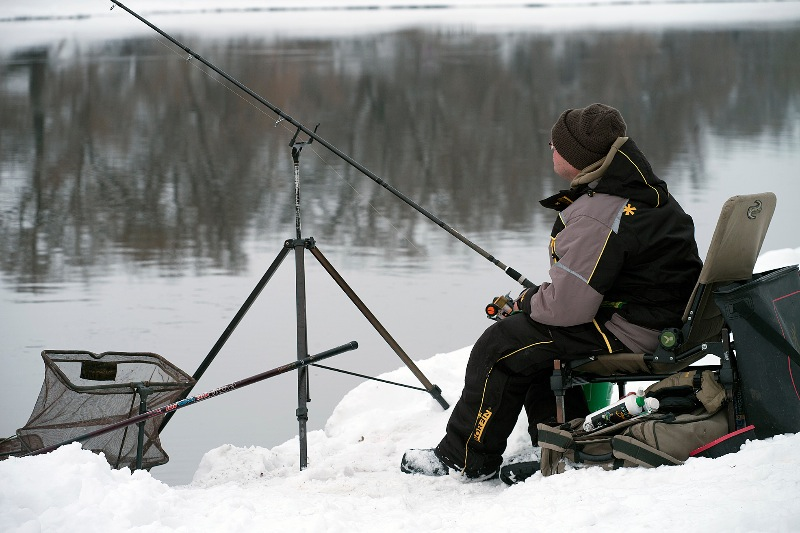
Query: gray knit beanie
column 584, row 136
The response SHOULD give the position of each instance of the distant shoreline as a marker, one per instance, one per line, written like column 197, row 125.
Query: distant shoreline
column 69, row 11
column 40, row 24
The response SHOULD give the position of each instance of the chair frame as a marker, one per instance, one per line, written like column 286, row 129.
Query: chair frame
column 734, row 248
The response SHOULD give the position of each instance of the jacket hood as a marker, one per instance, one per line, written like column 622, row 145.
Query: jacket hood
column 623, row 172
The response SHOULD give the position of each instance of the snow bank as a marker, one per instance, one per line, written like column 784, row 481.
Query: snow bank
column 353, row 481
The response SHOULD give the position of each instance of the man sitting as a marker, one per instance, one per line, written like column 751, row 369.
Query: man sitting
column 624, row 262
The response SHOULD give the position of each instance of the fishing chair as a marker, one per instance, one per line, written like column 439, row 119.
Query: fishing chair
column 734, row 248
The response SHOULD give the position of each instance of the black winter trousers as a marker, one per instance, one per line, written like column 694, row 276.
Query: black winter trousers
column 510, row 367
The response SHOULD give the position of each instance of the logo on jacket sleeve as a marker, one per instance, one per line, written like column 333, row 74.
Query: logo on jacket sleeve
column 629, row 210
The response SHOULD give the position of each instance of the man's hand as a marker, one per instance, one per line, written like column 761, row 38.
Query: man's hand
column 503, row 306
column 523, row 301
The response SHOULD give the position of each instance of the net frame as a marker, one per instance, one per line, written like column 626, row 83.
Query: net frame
column 84, row 391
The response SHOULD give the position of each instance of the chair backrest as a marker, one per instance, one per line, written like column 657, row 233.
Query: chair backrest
column 732, row 254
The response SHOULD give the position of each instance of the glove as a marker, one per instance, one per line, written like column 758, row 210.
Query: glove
column 523, row 301
column 503, row 306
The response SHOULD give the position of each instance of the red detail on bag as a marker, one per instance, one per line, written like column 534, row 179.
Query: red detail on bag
column 722, row 439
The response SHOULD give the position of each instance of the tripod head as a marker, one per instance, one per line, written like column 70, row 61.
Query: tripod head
column 297, row 147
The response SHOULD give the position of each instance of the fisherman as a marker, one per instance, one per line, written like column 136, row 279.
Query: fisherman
column 624, row 262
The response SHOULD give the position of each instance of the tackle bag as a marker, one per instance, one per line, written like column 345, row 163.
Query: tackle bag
column 764, row 317
column 690, row 416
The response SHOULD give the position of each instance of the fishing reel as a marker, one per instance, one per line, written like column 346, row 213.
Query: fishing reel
column 501, row 307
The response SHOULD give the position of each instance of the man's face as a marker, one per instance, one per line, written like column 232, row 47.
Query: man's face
column 561, row 167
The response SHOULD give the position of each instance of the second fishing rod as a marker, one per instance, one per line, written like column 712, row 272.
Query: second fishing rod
column 514, row 274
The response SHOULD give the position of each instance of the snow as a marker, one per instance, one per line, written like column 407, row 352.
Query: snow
column 73, row 8
column 353, row 481
column 34, row 22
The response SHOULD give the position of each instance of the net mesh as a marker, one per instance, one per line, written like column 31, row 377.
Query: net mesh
column 83, row 392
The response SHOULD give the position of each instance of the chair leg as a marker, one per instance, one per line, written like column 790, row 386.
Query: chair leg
column 557, row 385
column 727, row 378
column 621, row 388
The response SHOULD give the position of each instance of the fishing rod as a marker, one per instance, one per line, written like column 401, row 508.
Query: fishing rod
column 311, row 359
column 522, row 280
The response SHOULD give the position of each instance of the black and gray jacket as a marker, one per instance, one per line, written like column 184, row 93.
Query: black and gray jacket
column 622, row 250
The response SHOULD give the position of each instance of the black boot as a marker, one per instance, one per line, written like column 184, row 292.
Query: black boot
column 518, row 472
column 430, row 463
column 423, row 462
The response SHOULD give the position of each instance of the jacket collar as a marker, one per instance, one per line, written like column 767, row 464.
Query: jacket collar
column 596, row 170
column 582, row 182
column 623, row 172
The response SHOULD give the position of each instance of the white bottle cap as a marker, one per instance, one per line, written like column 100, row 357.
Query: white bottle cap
column 651, row 404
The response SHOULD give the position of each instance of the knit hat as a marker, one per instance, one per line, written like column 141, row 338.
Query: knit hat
column 584, row 136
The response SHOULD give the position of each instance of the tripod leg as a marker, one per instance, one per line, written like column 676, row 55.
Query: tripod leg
column 232, row 326
column 302, row 352
column 432, row 389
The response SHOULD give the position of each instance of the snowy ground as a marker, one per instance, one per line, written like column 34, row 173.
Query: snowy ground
column 353, row 481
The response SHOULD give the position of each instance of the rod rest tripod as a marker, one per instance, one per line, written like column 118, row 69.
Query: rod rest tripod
column 309, row 244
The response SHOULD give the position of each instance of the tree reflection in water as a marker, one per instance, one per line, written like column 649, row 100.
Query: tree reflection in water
column 125, row 153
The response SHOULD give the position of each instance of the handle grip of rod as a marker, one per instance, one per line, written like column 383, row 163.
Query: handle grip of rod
column 519, row 278
column 352, row 345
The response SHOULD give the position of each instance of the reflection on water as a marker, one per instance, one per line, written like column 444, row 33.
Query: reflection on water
column 124, row 148
column 141, row 198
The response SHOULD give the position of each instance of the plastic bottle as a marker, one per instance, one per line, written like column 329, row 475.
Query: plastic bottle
column 627, row 407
